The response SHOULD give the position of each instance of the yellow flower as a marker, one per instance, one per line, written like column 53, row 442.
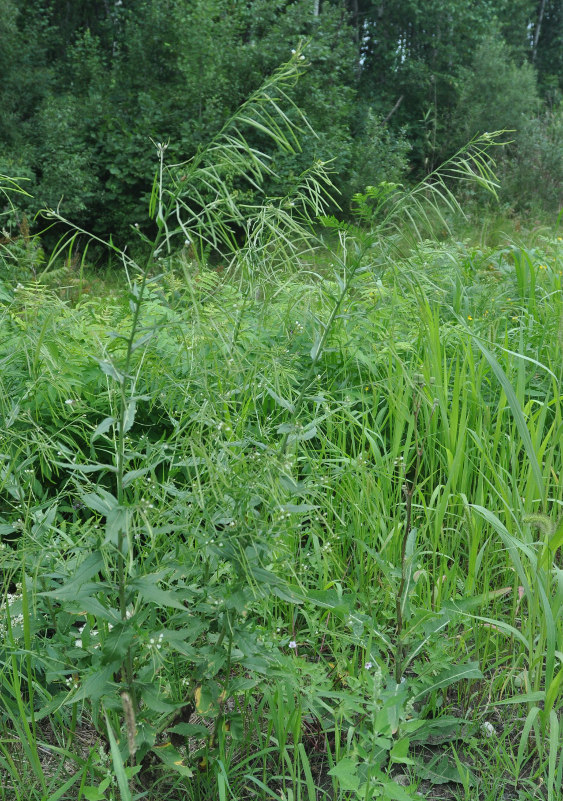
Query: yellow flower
column 469, row 317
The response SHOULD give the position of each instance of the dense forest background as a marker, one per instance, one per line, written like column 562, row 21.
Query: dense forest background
column 393, row 88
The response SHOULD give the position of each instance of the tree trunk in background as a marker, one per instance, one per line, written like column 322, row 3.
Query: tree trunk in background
column 538, row 31
column 355, row 20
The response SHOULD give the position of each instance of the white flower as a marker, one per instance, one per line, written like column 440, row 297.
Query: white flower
column 292, row 644
column 69, row 401
column 368, row 665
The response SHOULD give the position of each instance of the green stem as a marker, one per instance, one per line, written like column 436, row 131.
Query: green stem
column 305, row 384
column 127, row 390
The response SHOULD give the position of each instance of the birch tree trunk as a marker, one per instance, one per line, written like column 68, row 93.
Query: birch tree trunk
column 538, row 31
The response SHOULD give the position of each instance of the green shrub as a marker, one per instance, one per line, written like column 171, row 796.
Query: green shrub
column 532, row 176
column 495, row 94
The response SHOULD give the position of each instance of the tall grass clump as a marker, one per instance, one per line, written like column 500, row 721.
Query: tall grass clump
column 281, row 520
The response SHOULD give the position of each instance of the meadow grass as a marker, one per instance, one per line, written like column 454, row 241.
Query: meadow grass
column 280, row 515
column 351, row 590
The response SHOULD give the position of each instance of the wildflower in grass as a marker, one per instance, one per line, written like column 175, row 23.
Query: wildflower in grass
column 368, row 665
column 469, row 317
column 293, row 645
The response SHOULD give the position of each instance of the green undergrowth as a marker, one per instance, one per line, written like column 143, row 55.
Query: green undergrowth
column 264, row 582
column 284, row 523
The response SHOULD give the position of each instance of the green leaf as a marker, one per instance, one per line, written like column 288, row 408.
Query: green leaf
column 204, row 700
column 298, row 508
column 281, row 401
column 129, row 417
column 524, row 698
column 91, row 566
column 315, row 349
column 101, row 501
column 129, row 477
column 142, row 341
column 51, row 706
column 118, row 766
column 516, row 413
column 102, row 428
column 440, row 772
column 157, row 703
column 172, row 759
column 234, row 725
column 85, row 601
column 452, row 675
column 88, row 468
column 190, row 730
column 555, row 542
column 394, row 792
column 346, row 774
column 117, row 523
column 109, row 369
column 117, row 643
column 93, row 793
column 96, row 685
column 287, row 593
column 303, row 435
column 148, row 589
column 62, row 789
column 400, row 750
column 331, row 599
column 5, row 529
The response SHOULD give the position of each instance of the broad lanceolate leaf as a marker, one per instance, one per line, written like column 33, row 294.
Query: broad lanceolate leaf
column 102, row 428
column 346, row 773
column 172, row 759
column 148, row 588
column 109, row 369
column 101, row 501
column 441, row 772
column 96, row 685
column 118, row 765
column 90, row 567
column 517, row 414
column 452, row 675
column 281, row 401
